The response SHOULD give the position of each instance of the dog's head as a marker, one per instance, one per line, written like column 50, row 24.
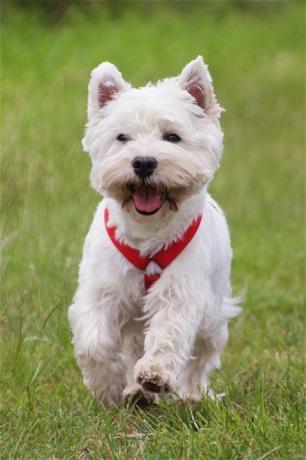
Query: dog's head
column 152, row 147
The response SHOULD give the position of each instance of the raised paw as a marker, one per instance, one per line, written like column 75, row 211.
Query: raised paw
column 151, row 379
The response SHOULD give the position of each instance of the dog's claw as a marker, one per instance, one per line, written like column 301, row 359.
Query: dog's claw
column 140, row 398
column 154, row 383
column 150, row 386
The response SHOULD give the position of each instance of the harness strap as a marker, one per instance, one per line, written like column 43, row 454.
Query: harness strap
column 162, row 258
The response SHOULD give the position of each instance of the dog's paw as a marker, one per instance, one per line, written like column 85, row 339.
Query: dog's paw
column 136, row 395
column 152, row 379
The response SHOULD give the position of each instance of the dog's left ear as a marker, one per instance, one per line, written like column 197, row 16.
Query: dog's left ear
column 196, row 80
column 105, row 82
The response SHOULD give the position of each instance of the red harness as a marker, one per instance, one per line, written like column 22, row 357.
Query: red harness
column 162, row 258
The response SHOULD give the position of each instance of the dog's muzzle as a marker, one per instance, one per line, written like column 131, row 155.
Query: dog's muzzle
column 147, row 200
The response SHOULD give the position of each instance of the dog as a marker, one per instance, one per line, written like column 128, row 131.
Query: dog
column 151, row 311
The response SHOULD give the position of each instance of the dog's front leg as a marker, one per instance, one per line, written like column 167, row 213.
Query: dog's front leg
column 170, row 336
column 95, row 321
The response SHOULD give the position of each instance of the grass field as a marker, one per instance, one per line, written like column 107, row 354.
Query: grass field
column 257, row 60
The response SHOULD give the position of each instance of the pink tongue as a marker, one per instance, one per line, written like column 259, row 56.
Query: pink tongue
column 146, row 199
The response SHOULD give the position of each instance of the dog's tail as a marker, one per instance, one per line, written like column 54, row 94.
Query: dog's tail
column 231, row 308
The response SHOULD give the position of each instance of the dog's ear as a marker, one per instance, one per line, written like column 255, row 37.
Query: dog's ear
column 196, row 80
column 105, row 82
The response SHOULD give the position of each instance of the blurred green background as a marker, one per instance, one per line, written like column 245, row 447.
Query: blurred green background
column 256, row 54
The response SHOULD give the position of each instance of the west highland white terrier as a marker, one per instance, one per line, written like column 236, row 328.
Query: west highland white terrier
column 151, row 311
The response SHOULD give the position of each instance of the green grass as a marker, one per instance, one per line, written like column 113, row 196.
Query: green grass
column 257, row 59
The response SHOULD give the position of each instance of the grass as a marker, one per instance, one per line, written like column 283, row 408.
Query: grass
column 257, row 59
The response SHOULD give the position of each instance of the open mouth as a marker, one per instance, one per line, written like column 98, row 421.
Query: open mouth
column 147, row 200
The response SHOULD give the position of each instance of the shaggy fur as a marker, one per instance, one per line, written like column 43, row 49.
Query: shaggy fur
column 129, row 342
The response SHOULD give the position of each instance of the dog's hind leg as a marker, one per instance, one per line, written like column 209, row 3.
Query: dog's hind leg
column 194, row 379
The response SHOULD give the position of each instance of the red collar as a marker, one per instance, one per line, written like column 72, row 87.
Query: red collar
column 162, row 258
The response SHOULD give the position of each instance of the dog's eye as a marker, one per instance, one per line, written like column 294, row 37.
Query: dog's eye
column 172, row 137
column 123, row 137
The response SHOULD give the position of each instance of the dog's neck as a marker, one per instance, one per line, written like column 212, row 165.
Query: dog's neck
column 149, row 237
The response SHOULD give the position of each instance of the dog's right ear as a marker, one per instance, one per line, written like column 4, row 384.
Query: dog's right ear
column 105, row 82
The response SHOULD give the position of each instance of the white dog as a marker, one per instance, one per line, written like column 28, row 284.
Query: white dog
column 151, row 311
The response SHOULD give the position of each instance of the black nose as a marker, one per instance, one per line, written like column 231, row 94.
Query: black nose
column 144, row 166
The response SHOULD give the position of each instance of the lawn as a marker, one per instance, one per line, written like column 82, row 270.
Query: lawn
column 256, row 56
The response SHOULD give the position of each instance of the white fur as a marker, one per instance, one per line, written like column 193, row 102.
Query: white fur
column 173, row 334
